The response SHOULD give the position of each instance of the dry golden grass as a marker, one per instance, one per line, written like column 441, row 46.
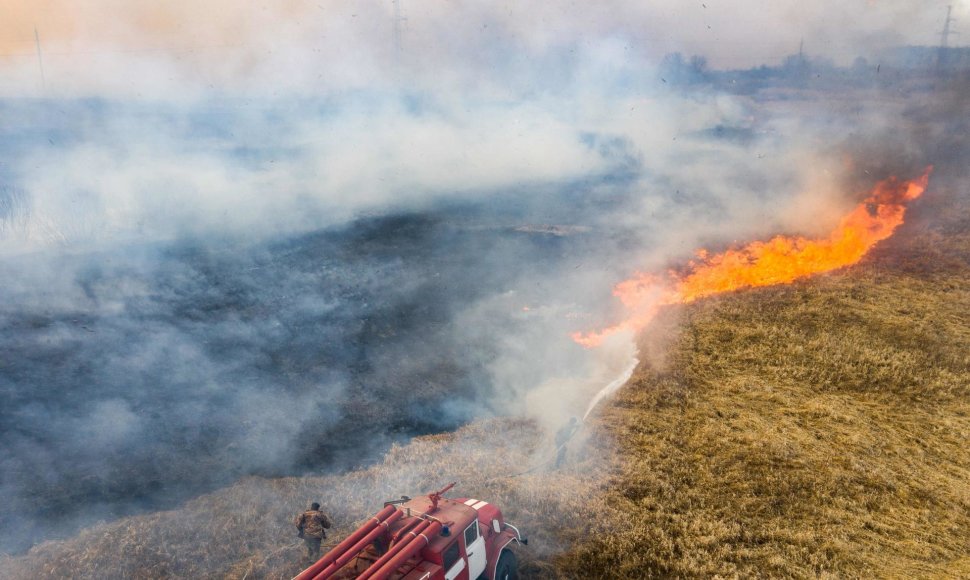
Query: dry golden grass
column 814, row 430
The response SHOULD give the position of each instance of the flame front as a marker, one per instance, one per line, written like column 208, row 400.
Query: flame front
column 780, row 260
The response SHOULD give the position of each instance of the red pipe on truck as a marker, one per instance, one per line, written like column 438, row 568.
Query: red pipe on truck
column 403, row 541
column 412, row 548
column 340, row 548
column 398, row 535
column 352, row 552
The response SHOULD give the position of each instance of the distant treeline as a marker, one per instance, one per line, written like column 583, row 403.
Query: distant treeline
column 892, row 67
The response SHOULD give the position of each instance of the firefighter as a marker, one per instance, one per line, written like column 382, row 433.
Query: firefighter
column 312, row 524
column 563, row 436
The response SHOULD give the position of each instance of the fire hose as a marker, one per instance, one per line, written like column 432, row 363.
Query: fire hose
column 546, row 463
column 602, row 394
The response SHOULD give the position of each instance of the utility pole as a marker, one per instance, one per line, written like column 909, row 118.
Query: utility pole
column 40, row 60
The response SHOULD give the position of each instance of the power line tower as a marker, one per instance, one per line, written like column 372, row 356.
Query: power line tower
column 399, row 20
column 945, row 38
column 40, row 60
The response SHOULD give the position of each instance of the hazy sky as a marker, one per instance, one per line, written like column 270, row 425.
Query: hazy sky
column 273, row 46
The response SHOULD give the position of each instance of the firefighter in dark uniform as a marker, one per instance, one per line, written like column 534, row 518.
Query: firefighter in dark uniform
column 312, row 524
column 562, row 439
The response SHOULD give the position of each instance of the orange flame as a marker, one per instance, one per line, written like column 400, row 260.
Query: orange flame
column 780, row 260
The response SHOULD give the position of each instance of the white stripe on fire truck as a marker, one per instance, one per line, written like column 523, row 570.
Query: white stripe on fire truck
column 469, row 502
column 480, row 505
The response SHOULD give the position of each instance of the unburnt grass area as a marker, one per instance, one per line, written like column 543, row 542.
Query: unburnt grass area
column 814, row 430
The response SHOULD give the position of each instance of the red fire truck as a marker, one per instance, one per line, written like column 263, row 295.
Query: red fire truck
column 427, row 538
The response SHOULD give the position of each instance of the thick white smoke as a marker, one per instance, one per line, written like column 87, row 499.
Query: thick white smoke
column 235, row 230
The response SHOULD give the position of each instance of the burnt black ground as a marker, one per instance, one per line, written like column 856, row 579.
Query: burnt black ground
column 136, row 375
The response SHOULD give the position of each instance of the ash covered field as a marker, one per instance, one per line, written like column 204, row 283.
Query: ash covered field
column 153, row 350
column 137, row 375
column 224, row 255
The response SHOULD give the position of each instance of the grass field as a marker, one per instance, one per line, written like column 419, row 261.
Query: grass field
column 817, row 429
column 820, row 429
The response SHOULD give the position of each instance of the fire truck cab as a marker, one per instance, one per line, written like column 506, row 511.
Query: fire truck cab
column 426, row 538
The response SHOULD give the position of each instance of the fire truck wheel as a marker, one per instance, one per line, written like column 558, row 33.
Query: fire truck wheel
column 508, row 568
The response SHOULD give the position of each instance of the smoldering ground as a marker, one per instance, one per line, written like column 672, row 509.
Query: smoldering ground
column 204, row 285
